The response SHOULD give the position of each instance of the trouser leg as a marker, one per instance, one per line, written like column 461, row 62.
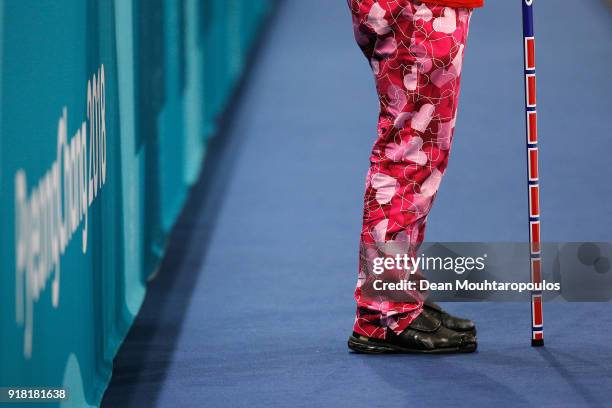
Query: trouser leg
column 416, row 53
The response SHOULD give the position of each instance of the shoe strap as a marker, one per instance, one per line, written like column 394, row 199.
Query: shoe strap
column 425, row 323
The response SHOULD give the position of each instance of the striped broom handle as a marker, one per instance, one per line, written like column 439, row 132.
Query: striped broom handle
column 533, row 177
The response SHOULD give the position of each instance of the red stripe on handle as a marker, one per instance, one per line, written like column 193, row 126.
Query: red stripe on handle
column 535, row 237
column 531, row 90
column 532, row 127
column 537, row 311
column 533, row 164
column 534, row 201
column 536, row 270
column 530, row 53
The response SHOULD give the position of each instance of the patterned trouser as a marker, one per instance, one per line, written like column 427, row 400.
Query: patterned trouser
column 416, row 52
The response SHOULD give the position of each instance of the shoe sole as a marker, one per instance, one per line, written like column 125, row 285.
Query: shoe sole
column 369, row 347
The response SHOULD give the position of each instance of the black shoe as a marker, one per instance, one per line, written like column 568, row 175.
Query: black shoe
column 426, row 334
column 454, row 323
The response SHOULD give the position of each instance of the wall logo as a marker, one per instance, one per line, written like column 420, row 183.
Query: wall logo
column 47, row 218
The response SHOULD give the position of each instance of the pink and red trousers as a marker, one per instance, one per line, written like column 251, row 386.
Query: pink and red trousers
column 416, row 52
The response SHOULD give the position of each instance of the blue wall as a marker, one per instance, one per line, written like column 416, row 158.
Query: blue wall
column 106, row 108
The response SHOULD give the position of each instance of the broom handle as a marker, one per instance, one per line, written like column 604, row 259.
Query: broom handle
column 533, row 177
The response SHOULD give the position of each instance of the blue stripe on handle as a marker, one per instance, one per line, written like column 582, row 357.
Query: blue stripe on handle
column 528, row 18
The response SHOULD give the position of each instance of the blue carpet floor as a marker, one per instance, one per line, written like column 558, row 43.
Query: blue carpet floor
column 253, row 303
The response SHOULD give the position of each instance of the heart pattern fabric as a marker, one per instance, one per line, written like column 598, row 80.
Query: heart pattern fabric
column 416, row 53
